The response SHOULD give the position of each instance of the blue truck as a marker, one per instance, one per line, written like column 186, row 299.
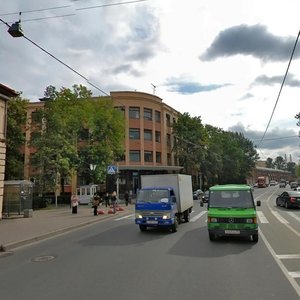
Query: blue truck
column 164, row 201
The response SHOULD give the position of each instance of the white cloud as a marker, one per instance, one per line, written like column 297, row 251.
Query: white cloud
column 243, row 48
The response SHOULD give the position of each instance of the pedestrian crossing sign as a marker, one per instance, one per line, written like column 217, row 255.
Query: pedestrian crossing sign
column 111, row 170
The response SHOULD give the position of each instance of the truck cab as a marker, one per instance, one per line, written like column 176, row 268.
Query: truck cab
column 156, row 207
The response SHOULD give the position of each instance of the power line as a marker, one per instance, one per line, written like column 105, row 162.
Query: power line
column 60, row 61
column 35, row 10
column 112, row 4
column 281, row 87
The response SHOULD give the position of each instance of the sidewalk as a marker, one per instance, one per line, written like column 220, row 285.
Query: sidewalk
column 19, row 231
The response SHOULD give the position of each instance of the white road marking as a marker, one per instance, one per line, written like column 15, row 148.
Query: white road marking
column 288, row 256
column 288, row 275
column 279, row 217
column 261, row 217
column 195, row 218
column 294, row 216
column 126, row 217
column 294, row 274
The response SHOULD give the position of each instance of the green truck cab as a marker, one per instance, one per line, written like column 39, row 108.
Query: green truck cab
column 231, row 211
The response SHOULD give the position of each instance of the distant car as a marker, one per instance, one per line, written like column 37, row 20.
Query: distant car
column 294, row 185
column 282, row 184
column 288, row 199
column 273, row 182
column 197, row 194
column 205, row 197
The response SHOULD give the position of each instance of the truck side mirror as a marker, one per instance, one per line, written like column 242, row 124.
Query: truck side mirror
column 173, row 199
column 258, row 203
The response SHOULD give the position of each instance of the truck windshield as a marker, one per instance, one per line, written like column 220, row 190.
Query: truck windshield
column 235, row 199
column 153, row 196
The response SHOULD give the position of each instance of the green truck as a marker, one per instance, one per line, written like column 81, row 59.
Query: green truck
column 231, row 211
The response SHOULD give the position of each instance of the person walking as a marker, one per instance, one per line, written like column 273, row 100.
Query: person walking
column 74, row 203
column 95, row 204
column 126, row 197
column 106, row 199
column 113, row 200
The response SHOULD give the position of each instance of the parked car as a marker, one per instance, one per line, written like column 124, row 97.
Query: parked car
column 197, row 194
column 205, row 197
column 288, row 199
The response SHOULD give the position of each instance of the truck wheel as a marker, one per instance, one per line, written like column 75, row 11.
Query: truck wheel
column 255, row 238
column 187, row 216
column 143, row 228
column 174, row 226
column 212, row 236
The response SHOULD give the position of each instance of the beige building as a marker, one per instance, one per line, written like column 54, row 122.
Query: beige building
column 148, row 138
column 5, row 94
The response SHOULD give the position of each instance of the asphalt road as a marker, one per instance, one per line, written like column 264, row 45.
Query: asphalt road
column 114, row 260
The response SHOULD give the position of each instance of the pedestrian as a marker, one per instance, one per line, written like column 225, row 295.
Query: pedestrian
column 113, row 200
column 106, row 198
column 126, row 197
column 74, row 203
column 95, row 204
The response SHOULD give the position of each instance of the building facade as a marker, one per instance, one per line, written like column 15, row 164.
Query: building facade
column 148, row 140
column 5, row 94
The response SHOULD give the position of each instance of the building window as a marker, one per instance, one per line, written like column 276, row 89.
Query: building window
column 135, row 155
column 157, row 136
column 148, row 156
column 158, row 157
column 147, row 135
column 168, row 118
column 134, row 133
column 148, row 114
column 157, row 116
column 35, row 117
column 134, row 112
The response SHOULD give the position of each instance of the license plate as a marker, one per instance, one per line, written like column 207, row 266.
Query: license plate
column 152, row 222
column 232, row 232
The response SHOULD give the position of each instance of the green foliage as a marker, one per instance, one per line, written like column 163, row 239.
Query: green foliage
column 62, row 148
column 269, row 163
column 15, row 139
column 220, row 156
column 191, row 141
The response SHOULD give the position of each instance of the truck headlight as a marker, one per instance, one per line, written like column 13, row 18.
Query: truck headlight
column 212, row 220
column 138, row 216
column 166, row 216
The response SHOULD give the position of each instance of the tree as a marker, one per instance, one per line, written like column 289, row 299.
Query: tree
column 280, row 163
column 291, row 167
column 269, row 163
column 191, row 140
column 15, row 139
column 76, row 131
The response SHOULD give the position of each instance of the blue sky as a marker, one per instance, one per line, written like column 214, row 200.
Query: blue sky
column 221, row 60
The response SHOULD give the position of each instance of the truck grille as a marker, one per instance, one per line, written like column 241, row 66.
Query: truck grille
column 232, row 220
column 149, row 214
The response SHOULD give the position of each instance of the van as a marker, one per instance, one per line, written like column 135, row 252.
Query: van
column 231, row 211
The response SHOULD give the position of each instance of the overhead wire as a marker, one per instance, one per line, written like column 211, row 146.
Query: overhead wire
column 281, row 87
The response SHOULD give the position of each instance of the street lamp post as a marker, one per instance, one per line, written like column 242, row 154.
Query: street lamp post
column 93, row 168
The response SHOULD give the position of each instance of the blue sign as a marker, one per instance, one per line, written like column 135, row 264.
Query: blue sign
column 111, row 169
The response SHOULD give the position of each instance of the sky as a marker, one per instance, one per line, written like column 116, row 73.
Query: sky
column 228, row 62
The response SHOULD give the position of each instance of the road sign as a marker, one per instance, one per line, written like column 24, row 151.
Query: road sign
column 111, row 169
